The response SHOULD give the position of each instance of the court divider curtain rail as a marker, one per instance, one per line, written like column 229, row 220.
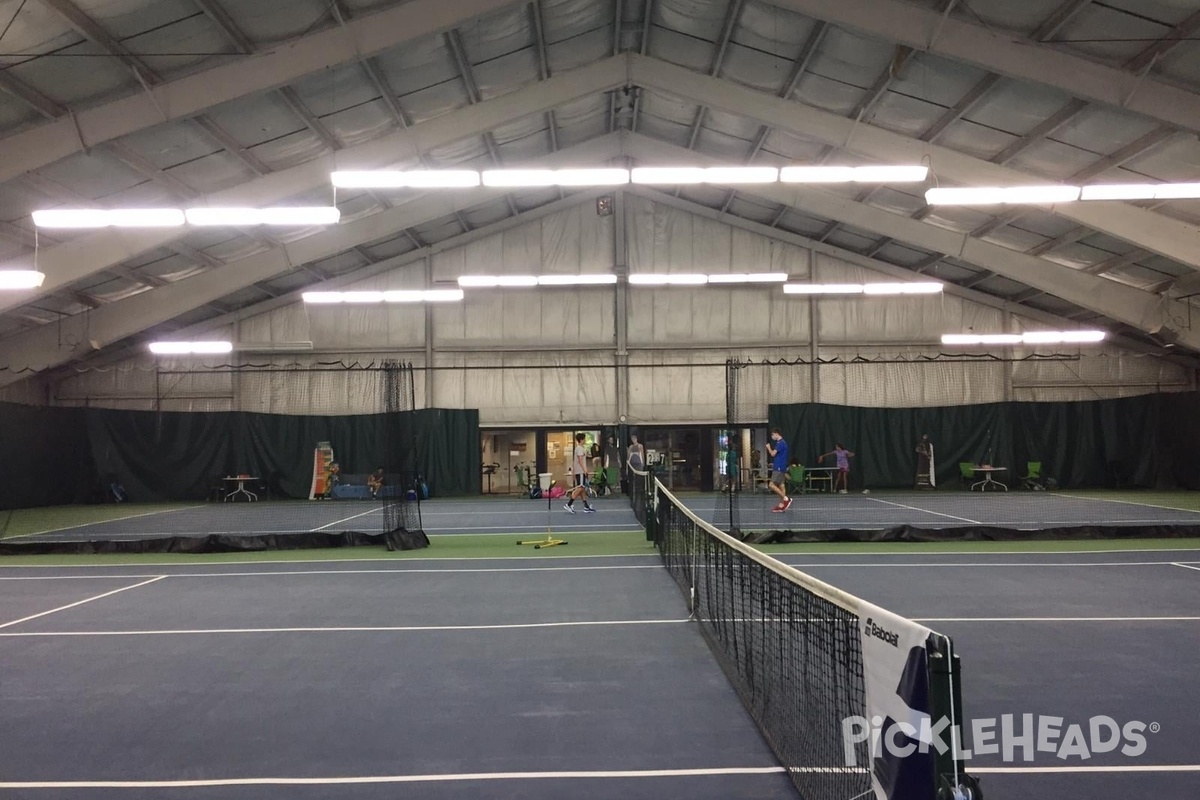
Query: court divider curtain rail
column 1147, row 441
column 58, row 456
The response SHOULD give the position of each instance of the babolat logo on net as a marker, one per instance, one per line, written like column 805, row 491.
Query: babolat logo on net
column 873, row 630
column 1011, row 737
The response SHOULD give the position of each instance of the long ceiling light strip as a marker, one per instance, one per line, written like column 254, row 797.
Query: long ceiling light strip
column 1031, row 337
column 15, row 279
column 175, row 217
column 862, row 288
column 190, row 348
column 601, row 279
column 874, row 174
column 1040, row 195
column 392, row 296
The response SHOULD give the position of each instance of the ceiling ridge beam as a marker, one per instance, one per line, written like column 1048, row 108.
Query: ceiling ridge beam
column 194, row 94
column 1159, row 233
column 1008, row 55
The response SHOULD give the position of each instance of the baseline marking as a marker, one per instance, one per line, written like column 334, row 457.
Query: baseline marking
column 1057, row 619
column 100, row 522
column 347, row 519
column 434, row 778
column 81, row 602
column 1099, row 770
column 360, row 629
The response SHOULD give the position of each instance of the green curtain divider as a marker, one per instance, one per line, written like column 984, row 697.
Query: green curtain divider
column 58, row 456
column 1144, row 441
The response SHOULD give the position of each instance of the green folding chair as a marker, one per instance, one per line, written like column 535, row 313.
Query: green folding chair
column 1032, row 479
column 968, row 472
column 795, row 479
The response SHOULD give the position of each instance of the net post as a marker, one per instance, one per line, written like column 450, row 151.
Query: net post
column 945, row 702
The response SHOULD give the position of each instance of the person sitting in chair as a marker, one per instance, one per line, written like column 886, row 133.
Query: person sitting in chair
column 375, row 482
column 333, row 476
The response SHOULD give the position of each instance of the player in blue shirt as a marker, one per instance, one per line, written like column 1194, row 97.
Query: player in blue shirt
column 777, row 449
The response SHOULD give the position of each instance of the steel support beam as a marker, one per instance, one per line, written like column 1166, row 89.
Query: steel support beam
column 1117, row 301
column 1023, row 59
column 40, row 349
column 91, row 253
column 188, row 96
column 1165, row 236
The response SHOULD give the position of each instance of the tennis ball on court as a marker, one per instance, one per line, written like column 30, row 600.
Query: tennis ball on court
column 866, row 491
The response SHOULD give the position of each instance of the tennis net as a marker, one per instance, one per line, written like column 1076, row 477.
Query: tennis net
column 814, row 665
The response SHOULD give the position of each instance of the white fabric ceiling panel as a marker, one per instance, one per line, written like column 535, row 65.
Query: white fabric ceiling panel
column 60, row 78
column 975, row 139
column 831, row 94
column 662, row 389
column 899, row 199
column 172, row 144
column 1051, row 159
column 1018, row 17
column 506, row 73
column 933, row 79
column 768, row 28
column 192, row 33
column 418, row 65
column 764, row 71
column 255, row 120
column 752, row 209
column 1101, row 130
column 1016, row 108
column 359, row 123
column 677, row 48
column 730, row 125
column 788, row 148
column 1091, row 32
column 212, row 173
column 275, row 22
column 15, row 114
column 701, row 19
column 1182, row 64
column 95, row 176
column 571, row 19
column 486, row 214
column 851, row 239
column 728, row 148
column 579, row 50
column 903, row 385
column 290, row 149
column 497, row 35
column 902, row 114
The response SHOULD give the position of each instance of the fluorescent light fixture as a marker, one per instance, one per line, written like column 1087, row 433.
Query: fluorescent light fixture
column 284, row 215
column 322, row 297
column 392, row 296
column 1141, row 191
column 576, row 280
column 874, row 174
column 1177, row 191
column 190, row 348
column 412, row 179
column 1031, row 337
column 490, row 281
column 822, row 288
column 667, row 175
column 997, row 195
column 105, row 218
column 741, row 175
column 555, row 177
column 21, row 279
column 678, row 279
column 902, row 288
column 1118, row 191
column 986, row 338
column 748, row 277
column 423, row 296
column 1064, row 337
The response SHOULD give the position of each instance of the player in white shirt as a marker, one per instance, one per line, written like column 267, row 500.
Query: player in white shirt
column 579, row 473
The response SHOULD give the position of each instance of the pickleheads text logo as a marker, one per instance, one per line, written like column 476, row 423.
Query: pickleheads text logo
column 1009, row 737
column 872, row 630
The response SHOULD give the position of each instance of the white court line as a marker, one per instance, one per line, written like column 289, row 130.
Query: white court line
column 1185, row 566
column 924, row 510
column 347, row 519
column 264, row 573
column 614, row 567
column 1080, row 769
column 81, row 602
column 367, row 779
column 1054, row 619
column 512, row 531
column 98, row 522
column 1063, row 496
column 356, row 629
